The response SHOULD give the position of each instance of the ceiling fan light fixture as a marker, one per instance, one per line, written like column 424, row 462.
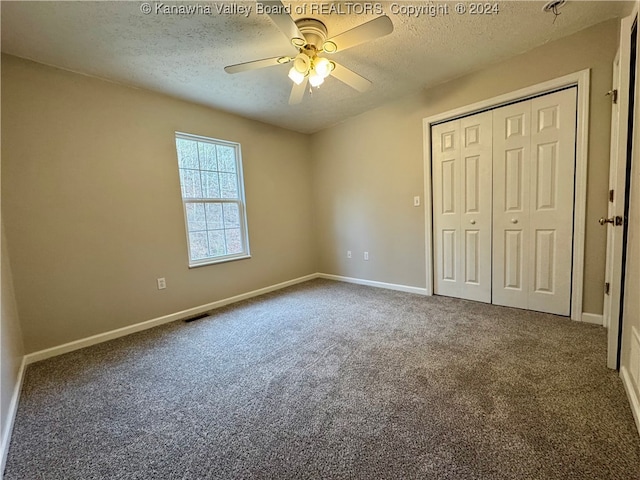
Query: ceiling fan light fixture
column 302, row 63
column 296, row 76
column 315, row 79
column 322, row 67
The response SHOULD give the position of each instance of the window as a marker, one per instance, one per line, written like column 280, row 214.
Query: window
column 213, row 199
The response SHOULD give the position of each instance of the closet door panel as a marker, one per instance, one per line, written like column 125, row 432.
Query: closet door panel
column 475, row 217
column 446, row 207
column 461, row 164
column 511, row 192
column 553, row 139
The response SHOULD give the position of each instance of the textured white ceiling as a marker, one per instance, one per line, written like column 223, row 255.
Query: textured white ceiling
column 184, row 55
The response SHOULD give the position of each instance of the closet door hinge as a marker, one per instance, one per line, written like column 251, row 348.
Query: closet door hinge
column 611, row 196
column 607, row 287
column 614, row 95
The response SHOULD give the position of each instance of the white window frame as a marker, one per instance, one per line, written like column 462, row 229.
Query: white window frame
column 240, row 201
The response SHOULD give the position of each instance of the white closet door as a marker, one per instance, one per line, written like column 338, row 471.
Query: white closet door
column 511, row 173
column 553, row 139
column 446, row 212
column 533, row 181
column 462, row 163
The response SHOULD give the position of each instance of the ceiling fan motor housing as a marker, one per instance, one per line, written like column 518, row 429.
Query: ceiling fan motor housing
column 314, row 31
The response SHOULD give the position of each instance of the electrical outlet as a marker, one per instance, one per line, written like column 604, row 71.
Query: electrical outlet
column 162, row 283
column 348, row 253
column 366, row 255
column 416, row 201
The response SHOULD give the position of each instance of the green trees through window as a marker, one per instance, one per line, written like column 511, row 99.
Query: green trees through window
column 213, row 199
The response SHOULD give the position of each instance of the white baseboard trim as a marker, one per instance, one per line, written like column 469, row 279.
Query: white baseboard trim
column 595, row 318
column 634, row 401
column 138, row 327
column 373, row 283
column 11, row 416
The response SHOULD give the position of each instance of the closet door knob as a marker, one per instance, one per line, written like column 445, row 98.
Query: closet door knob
column 472, row 222
column 514, row 220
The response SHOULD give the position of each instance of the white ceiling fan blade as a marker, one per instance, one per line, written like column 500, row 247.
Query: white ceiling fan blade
column 297, row 92
column 286, row 24
column 254, row 65
column 350, row 78
column 376, row 28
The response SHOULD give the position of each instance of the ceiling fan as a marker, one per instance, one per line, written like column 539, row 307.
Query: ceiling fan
column 309, row 37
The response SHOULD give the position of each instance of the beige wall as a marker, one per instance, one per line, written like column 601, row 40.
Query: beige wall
column 11, row 348
column 369, row 168
column 631, row 310
column 92, row 209
column 91, row 199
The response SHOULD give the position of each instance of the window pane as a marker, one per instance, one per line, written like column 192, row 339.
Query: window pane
column 198, row 245
column 207, row 153
column 226, row 159
column 190, row 180
column 234, row 241
column 231, row 215
column 217, row 243
column 214, row 216
column 228, row 185
column 212, row 197
column 187, row 153
column 210, row 185
column 196, row 220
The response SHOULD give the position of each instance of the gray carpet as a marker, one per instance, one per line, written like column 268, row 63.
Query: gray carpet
column 333, row 381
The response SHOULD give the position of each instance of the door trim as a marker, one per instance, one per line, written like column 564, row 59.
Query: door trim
column 581, row 79
column 614, row 148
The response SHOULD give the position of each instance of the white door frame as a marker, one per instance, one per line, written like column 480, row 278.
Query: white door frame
column 614, row 160
column 580, row 79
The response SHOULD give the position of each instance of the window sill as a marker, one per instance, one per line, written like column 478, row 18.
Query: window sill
column 214, row 261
